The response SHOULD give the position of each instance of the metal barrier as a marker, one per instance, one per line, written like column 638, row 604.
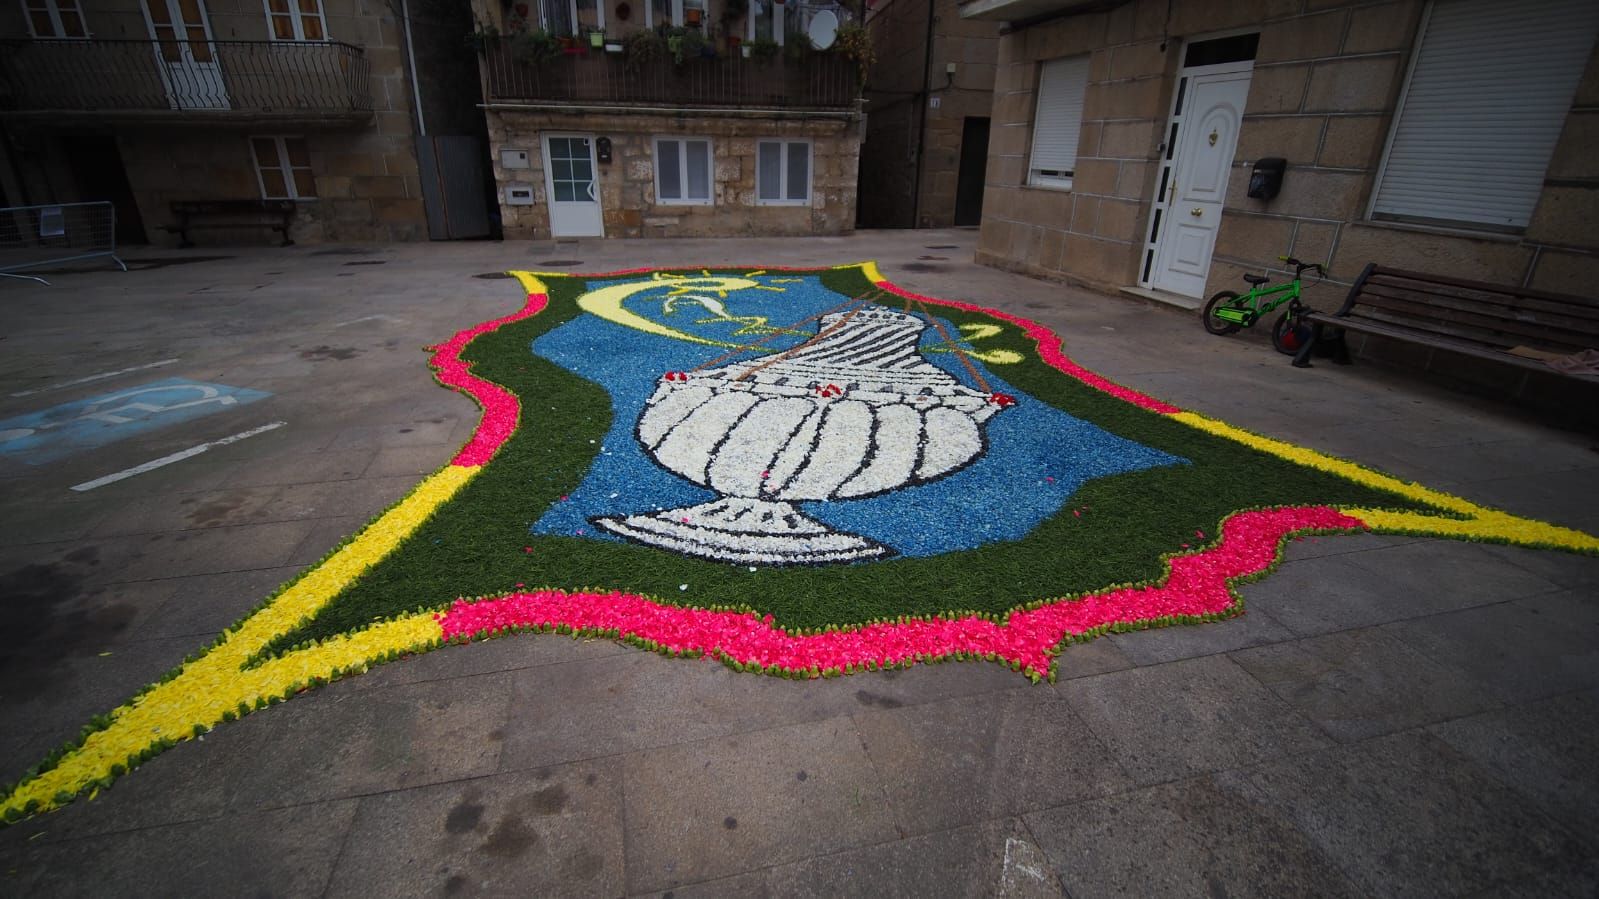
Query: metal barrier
column 31, row 236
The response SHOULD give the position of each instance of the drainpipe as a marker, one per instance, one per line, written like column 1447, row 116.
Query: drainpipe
column 921, row 130
column 410, row 55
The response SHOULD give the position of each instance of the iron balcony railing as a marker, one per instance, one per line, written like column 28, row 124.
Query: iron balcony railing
column 260, row 77
column 816, row 81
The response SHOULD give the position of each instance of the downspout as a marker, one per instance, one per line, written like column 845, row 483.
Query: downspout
column 921, row 130
column 410, row 56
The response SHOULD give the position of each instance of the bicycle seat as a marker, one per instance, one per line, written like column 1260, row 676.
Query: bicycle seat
column 1256, row 279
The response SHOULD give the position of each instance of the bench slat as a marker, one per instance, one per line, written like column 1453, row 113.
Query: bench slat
column 1574, row 308
column 1454, row 331
column 1407, row 335
column 1545, row 326
column 1528, row 292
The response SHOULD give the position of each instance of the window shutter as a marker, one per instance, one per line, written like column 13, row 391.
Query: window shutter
column 1488, row 94
column 1059, row 116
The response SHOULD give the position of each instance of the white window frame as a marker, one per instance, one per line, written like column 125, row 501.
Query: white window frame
column 649, row 14
column 279, row 143
column 777, row 21
column 296, row 17
column 682, row 170
column 1052, row 179
column 571, row 7
column 810, row 172
column 53, row 8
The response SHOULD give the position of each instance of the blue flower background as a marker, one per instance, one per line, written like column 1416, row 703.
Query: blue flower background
column 1037, row 457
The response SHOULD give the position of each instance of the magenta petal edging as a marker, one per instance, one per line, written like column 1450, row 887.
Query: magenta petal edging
column 1048, row 349
column 500, row 406
column 1197, row 585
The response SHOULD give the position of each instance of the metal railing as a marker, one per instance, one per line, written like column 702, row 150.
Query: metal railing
column 31, row 236
column 817, row 81
column 245, row 76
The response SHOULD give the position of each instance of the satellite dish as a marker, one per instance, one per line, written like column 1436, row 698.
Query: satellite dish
column 823, row 30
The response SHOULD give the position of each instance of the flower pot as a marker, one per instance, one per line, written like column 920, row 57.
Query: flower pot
column 746, row 51
column 691, row 17
column 613, row 48
column 596, row 40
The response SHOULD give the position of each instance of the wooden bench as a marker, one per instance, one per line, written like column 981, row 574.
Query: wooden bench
column 1515, row 325
column 274, row 214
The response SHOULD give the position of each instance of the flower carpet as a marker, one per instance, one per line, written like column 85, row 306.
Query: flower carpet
column 801, row 473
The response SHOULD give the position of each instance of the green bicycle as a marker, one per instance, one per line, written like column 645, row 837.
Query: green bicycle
column 1227, row 311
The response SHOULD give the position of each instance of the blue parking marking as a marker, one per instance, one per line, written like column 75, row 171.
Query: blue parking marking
column 70, row 428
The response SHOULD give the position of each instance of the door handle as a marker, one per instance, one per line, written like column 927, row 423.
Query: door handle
column 1196, row 212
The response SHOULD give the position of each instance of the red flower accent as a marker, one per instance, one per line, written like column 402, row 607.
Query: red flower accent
column 1002, row 399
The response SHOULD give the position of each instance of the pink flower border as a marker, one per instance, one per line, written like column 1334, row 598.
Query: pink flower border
column 1196, row 589
column 501, row 409
column 1197, row 586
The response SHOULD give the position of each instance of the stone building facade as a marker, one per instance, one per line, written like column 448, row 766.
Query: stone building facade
column 1324, row 80
column 723, row 104
column 100, row 110
column 924, row 118
column 626, row 186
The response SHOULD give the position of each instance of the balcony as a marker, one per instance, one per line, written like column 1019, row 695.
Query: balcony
column 825, row 82
column 1025, row 11
column 184, row 82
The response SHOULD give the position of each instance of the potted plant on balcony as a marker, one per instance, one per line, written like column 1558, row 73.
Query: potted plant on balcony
column 763, row 49
column 597, row 39
column 536, row 47
column 643, row 48
column 691, row 45
column 854, row 43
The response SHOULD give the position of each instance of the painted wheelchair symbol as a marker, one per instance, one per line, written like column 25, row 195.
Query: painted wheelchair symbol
column 118, row 410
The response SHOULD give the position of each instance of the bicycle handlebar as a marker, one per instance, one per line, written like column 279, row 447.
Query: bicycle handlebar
column 1301, row 267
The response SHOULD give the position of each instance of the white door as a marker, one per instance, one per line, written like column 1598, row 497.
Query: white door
column 1193, row 186
column 185, row 54
column 569, row 182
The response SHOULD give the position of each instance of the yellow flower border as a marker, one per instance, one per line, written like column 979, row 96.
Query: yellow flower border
column 220, row 684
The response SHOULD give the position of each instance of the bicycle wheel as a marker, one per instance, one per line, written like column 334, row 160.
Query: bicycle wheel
column 1218, row 325
column 1289, row 333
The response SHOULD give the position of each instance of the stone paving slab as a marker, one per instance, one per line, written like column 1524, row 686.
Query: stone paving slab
column 1364, row 683
column 288, row 852
column 640, row 700
column 1184, row 718
column 354, row 742
column 1185, row 838
column 698, row 811
column 995, row 858
column 1544, row 751
column 1518, row 651
column 1406, row 815
column 967, row 760
column 551, row 832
